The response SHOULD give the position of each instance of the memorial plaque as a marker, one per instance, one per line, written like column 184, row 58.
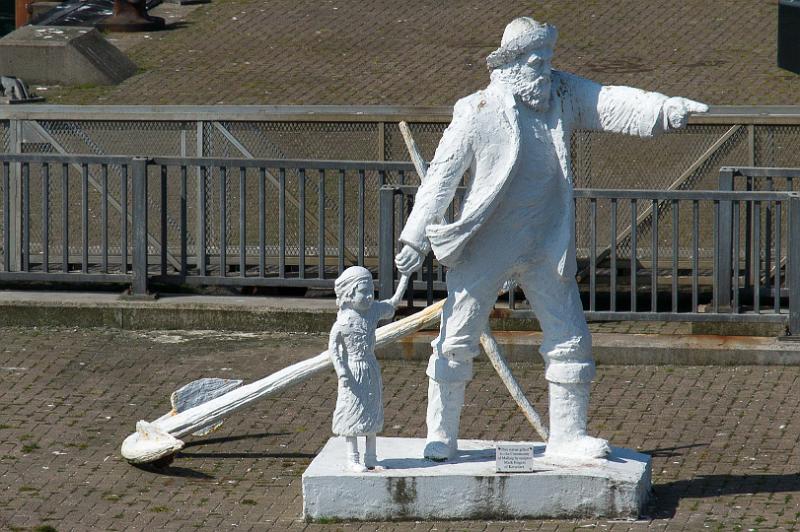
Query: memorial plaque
column 511, row 458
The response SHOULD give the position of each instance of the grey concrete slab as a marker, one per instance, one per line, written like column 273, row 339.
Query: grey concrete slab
column 66, row 55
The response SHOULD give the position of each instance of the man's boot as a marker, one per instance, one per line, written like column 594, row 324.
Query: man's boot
column 445, row 400
column 569, row 406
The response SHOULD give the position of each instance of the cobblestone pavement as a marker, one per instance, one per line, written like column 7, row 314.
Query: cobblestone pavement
column 723, row 440
column 419, row 52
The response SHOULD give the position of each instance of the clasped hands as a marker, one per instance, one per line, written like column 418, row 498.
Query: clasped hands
column 408, row 260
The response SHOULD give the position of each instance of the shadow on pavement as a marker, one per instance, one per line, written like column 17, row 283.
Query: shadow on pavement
column 172, row 471
column 667, row 496
column 246, row 455
column 176, row 25
column 228, row 439
column 668, row 452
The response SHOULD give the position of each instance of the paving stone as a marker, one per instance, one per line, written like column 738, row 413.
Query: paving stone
column 724, row 440
column 431, row 53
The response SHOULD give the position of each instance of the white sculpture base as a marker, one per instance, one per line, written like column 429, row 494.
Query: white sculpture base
column 407, row 487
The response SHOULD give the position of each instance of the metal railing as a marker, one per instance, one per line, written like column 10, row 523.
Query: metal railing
column 56, row 256
column 685, row 160
column 697, row 255
column 659, row 275
column 120, row 219
column 762, row 259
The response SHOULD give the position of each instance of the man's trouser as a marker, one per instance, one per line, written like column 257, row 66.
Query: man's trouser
column 471, row 293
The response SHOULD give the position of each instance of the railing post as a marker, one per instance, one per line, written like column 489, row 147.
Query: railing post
column 793, row 277
column 728, row 264
column 200, row 195
column 381, row 141
column 386, row 243
column 14, row 250
column 139, row 259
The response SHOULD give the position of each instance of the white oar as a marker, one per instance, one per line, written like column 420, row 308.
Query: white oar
column 158, row 441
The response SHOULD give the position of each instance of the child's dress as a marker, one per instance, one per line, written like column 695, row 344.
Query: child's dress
column 359, row 404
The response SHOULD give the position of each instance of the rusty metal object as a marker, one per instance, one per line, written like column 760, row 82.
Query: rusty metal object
column 131, row 15
column 21, row 15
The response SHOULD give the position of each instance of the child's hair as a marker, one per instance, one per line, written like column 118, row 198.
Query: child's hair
column 347, row 282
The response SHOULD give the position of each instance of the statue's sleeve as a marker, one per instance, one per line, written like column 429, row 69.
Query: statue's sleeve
column 613, row 108
column 385, row 309
column 336, row 350
column 453, row 156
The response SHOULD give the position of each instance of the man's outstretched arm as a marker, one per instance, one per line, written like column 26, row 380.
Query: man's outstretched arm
column 625, row 110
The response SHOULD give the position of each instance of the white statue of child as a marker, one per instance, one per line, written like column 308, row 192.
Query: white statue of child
column 351, row 346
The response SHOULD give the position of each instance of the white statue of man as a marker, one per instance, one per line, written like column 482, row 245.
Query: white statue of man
column 517, row 222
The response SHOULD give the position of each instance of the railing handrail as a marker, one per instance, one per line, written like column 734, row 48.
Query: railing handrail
column 717, row 114
column 657, row 194
column 699, row 195
column 55, row 158
column 308, row 164
column 761, row 171
column 234, row 113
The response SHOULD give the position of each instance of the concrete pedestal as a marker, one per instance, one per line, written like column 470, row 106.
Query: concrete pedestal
column 68, row 55
column 407, row 487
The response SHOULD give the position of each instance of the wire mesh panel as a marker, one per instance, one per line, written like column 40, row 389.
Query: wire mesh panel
column 4, row 136
column 776, row 146
column 353, row 141
column 100, row 137
column 684, row 160
column 267, row 219
column 426, row 135
column 66, row 215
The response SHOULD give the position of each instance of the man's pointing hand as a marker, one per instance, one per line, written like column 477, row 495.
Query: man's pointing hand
column 677, row 109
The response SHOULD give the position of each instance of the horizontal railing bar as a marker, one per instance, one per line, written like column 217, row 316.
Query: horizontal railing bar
column 660, row 195
column 54, row 158
column 717, row 114
column 213, row 280
column 41, row 158
column 77, row 277
column 761, row 171
column 745, row 114
column 607, row 315
column 700, row 195
column 315, row 164
column 684, row 316
column 232, row 113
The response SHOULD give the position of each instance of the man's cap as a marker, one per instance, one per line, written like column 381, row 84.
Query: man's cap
column 522, row 35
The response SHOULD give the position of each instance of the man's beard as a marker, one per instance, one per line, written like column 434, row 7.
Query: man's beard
column 532, row 91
